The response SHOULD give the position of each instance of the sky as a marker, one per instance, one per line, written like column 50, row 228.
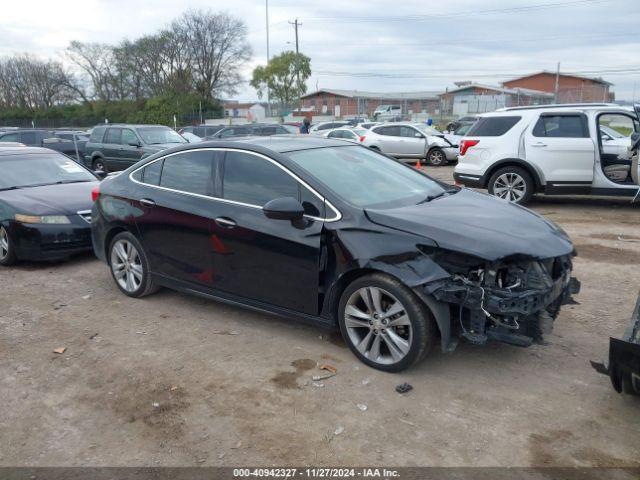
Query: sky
column 372, row 45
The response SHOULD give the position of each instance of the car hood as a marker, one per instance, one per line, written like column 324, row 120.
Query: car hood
column 66, row 199
column 480, row 225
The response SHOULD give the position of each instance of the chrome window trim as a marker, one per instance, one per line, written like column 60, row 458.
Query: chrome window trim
column 335, row 218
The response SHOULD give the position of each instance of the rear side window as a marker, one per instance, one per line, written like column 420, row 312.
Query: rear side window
column 151, row 174
column 10, row 137
column 28, row 138
column 188, row 172
column 97, row 134
column 393, row 131
column 113, row 135
column 492, row 126
column 561, row 126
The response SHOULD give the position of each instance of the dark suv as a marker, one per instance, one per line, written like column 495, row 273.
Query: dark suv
column 117, row 147
column 59, row 140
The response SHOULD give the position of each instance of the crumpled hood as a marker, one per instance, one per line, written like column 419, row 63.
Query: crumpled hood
column 480, row 225
column 65, row 199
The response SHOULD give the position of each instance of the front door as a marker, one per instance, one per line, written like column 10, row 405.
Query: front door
column 272, row 261
column 176, row 211
column 130, row 148
column 413, row 142
column 560, row 146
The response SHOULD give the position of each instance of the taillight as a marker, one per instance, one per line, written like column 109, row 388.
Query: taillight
column 95, row 193
column 466, row 145
column 362, row 137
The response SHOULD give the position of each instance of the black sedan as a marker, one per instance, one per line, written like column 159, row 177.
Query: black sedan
column 45, row 205
column 336, row 234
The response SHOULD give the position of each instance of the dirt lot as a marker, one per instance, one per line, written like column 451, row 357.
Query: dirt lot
column 177, row 380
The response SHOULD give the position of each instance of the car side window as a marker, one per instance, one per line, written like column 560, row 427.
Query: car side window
column 10, row 137
column 408, row 132
column 97, row 134
column 561, row 126
column 268, row 131
column 189, row 172
column 281, row 131
column 128, row 137
column 199, row 131
column 151, row 173
column 28, row 138
column 113, row 135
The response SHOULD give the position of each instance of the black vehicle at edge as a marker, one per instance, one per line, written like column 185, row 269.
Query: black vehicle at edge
column 424, row 260
column 45, row 208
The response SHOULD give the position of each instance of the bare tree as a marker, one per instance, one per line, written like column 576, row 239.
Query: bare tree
column 217, row 48
column 97, row 61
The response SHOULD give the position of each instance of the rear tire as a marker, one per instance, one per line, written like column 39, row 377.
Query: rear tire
column 384, row 323
column 513, row 184
column 7, row 252
column 130, row 266
column 100, row 165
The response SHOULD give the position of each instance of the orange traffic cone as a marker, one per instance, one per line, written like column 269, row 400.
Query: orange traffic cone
column 418, row 166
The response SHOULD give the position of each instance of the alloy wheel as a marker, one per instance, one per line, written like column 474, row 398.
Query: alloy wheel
column 99, row 166
column 4, row 244
column 126, row 265
column 378, row 325
column 510, row 186
column 436, row 157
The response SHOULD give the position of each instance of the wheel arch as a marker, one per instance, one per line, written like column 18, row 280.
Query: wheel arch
column 109, row 236
column 513, row 162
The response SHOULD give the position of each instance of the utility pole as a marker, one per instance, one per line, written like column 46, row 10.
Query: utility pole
column 296, row 24
column 268, row 56
column 555, row 97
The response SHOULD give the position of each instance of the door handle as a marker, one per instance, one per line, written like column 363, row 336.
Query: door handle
column 225, row 222
column 147, row 202
column 539, row 144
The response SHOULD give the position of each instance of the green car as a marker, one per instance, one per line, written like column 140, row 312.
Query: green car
column 118, row 146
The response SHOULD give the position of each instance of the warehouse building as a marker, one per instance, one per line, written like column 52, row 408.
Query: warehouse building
column 341, row 103
column 571, row 88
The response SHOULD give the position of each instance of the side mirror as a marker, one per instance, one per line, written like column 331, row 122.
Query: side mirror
column 418, row 135
column 606, row 138
column 101, row 174
column 285, row 208
column 134, row 144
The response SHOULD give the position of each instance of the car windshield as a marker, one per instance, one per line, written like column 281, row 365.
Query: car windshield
column 22, row 171
column 427, row 129
column 367, row 179
column 157, row 135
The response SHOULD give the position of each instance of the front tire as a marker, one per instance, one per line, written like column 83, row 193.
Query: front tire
column 99, row 165
column 130, row 267
column 513, row 184
column 436, row 157
column 384, row 324
column 7, row 252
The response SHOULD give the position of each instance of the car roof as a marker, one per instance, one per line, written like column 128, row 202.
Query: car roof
column 130, row 125
column 276, row 143
column 15, row 150
column 564, row 108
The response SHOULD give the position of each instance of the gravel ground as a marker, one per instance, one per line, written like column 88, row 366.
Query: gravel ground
column 177, row 380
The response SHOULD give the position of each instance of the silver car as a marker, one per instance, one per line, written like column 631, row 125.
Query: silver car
column 412, row 140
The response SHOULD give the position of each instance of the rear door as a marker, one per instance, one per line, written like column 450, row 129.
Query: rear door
column 111, row 148
column 176, row 209
column 389, row 139
column 561, row 147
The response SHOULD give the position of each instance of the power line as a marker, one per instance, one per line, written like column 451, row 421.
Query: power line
column 508, row 10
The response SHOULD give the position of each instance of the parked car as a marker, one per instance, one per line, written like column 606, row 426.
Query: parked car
column 336, row 234
column 260, row 129
column 201, row 130
column 456, row 136
column 354, row 121
column 54, row 140
column 317, row 128
column 292, row 129
column 384, row 112
column 352, row 134
column 118, row 146
column 45, row 205
column 555, row 150
column 411, row 140
column 368, row 125
column 190, row 137
column 456, row 124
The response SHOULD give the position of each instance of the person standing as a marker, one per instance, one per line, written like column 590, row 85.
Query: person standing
column 304, row 128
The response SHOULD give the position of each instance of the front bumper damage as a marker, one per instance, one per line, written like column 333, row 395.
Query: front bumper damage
column 513, row 301
column 624, row 358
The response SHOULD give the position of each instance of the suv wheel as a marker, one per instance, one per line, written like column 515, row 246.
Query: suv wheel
column 384, row 324
column 436, row 157
column 513, row 184
column 98, row 164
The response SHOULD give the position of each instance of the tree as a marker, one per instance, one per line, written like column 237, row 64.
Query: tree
column 216, row 48
column 285, row 77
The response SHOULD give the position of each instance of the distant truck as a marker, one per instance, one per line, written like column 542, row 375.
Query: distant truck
column 385, row 112
column 59, row 140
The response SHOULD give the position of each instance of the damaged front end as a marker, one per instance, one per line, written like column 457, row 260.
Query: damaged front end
column 513, row 300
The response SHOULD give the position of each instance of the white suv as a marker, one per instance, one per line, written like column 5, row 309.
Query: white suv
column 553, row 149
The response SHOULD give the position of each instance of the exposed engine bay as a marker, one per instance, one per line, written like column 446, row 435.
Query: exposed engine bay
column 514, row 300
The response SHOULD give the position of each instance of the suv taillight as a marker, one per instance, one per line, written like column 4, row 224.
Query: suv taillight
column 466, row 145
column 362, row 137
column 95, row 193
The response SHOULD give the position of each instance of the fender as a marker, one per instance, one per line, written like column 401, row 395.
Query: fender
column 484, row 180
